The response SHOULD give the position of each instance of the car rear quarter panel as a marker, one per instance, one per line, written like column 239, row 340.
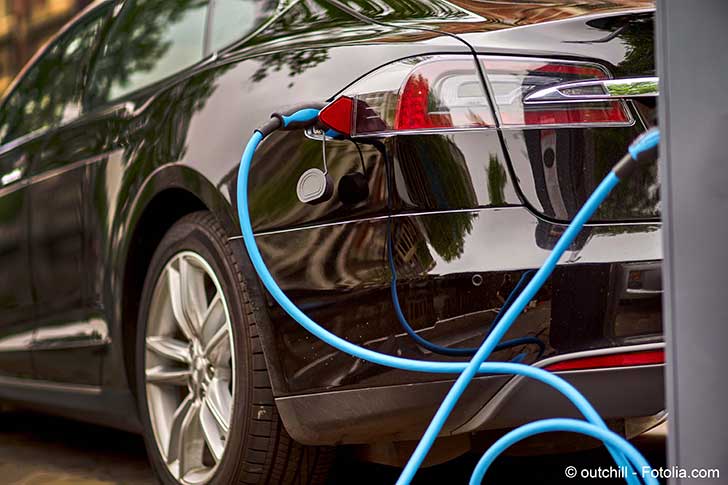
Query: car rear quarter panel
column 188, row 136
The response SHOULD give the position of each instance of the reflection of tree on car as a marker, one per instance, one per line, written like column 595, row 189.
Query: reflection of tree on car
column 577, row 159
column 179, row 104
column 144, row 45
column 49, row 93
column 303, row 19
column 636, row 32
column 435, row 175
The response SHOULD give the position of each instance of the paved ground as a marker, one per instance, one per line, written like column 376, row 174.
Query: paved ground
column 37, row 449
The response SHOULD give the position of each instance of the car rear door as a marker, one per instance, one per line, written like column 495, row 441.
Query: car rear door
column 68, row 339
column 16, row 301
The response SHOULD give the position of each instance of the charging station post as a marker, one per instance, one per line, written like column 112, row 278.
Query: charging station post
column 692, row 42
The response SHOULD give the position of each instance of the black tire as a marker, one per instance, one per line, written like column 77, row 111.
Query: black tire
column 258, row 449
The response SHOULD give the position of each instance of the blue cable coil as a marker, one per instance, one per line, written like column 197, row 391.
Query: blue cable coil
column 624, row 454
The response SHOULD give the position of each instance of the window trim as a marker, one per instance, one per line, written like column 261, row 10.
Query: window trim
column 207, row 34
column 23, row 139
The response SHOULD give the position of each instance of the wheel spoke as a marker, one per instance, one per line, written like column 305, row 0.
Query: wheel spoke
column 192, row 440
column 218, row 348
column 194, row 303
column 175, row 430
column 214, row 437
column 215, row 417
column 218, row 401
column 170, row 348
column 165, row 375
column 223, row 373
column 175, row 295
column 214, row 318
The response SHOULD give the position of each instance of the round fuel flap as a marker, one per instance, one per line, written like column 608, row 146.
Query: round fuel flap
column 314, row 186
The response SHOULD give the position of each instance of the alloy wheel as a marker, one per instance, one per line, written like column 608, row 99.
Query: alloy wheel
column 189, row 368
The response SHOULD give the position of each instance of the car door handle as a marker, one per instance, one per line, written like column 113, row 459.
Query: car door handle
column 15, row 174
column 597, row 90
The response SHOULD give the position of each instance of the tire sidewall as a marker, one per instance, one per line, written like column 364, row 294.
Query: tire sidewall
column 192, row 234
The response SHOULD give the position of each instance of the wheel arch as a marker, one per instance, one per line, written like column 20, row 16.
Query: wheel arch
column 169, row 193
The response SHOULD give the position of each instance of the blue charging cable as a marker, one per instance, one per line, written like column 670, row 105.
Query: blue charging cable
column 419, row 339
column 621, row 450
column 450, row 351
column 464, row 351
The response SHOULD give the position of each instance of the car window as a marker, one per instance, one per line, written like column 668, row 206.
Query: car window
column 50, row 90
column 234, row 19
column 148, row 41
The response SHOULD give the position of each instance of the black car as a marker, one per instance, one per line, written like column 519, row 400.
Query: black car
column 479, row 128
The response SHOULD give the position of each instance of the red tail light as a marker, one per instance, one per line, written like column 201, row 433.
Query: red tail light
column 436, row 93
column 423, row 93
column 628, row 359
column 511, row 79
column 412, row 110
column 574, row 116
column 442, row 94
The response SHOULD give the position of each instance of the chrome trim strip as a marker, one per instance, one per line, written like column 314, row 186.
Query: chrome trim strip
column 15, row 186
column 429, row 131
column 611, row 89
column 500, row 399
column 40, row 385
column 599, row 352
column 41, row 346
column 125, row 110
column 56, row 172
column 49, row 174
column 22, row 139
column 19, row 342
column 317, row 135
column 311, row 135
column 91, row 333
column 449, row 211
column 484, row 58
column 612, row 124
column 643, row 292
column 374, row 219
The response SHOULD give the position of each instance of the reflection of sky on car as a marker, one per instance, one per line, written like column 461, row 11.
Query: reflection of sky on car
column 181, row 40
column 493, row 244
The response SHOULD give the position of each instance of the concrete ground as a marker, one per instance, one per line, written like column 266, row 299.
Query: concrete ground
column 36, row 449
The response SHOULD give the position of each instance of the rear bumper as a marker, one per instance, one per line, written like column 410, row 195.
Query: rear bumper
column 401, row 412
